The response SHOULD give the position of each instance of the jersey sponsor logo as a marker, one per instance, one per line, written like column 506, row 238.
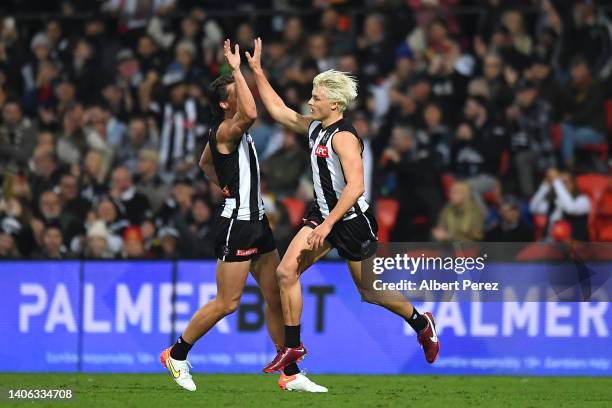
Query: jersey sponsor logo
column 322, row 151
column 189, row 124
column 246, row 252
column 226, row 191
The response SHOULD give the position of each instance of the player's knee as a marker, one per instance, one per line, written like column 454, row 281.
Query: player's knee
column 228, row 307
column 286, row 275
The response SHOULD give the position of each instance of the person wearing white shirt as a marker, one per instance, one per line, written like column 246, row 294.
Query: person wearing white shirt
column 559, row 198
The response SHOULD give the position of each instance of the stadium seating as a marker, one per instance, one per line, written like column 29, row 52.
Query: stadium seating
column 296, row 209
column 593, row 185
column 603, row 216
column 386, row 217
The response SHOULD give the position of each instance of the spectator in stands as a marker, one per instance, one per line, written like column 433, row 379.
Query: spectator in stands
column 136, row 204
column 437, row 135
column 284, row 168
column 589, row 32
column 179, row 129
column 8, row 247
column 95, row 175
column 41, row 49
column 47, row 171
column 500, row 80
column 84, row 71
column 460, row 219
column 17, row 136
column 584, row 117
column 71, row 201
column 490, row 139
column 139, row 137
column 97, row 242
column 72, row 143
column 168, row 238
column 417, row 182
column 531, row 148
column 133, row 245
column 374, row 52
column 339, row 41
column 52, row 244
column 50, row 211
column 559, row 199
column 201, row 228
column 549, row 89
column 112, row 214
column 294, row 38
column 148, row 181
column 175, row 214
column 510, row 227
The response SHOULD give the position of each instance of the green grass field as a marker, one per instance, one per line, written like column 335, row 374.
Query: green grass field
column 153, row 390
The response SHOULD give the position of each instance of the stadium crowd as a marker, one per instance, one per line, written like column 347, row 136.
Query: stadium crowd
column 475, row 123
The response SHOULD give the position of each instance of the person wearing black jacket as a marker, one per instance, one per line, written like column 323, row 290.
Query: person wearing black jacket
column 418, row 187
column 510, row 228
column 584, row 114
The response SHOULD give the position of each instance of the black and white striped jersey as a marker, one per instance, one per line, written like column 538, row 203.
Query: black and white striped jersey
column 179, row 131
column 238, row 174
column 327, row 174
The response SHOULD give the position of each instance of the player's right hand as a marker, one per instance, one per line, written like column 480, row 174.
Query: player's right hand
column 233, row 59
column 255, row 60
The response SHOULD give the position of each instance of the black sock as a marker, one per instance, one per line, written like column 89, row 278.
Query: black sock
column 417, row 321
column 292, row 336
column 291, row 369
column 180, row 349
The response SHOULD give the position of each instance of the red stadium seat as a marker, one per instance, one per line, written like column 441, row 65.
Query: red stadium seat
column 295, row 209
column 504, row 163
column 593, row 184
column 602, row 221
column 555, row 135
column 539, row 223
column 386, row 217
column 608, row 107
column 447, row 181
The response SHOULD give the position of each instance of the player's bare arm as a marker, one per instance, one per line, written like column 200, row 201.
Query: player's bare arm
column 206, row 164
column 347, row 146
column 273, row 103
column 231, row 130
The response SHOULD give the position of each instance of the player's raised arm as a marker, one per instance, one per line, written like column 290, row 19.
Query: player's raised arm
column 273, row 103
column 246, row 111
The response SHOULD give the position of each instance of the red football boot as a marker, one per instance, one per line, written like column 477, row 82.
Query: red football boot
column 428, row 339
column 284, row 357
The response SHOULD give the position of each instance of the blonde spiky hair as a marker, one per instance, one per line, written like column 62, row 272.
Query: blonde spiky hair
column 341, row 87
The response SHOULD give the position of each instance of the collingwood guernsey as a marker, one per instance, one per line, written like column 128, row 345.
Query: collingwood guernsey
column 238, row 174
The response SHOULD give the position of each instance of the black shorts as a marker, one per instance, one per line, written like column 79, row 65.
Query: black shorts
column 237, row 240
column 354, row 239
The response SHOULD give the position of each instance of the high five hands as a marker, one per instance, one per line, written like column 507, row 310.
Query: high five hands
column 255, row 60
column 232, row 58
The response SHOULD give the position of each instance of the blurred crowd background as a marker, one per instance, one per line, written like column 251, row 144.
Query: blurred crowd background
column 483, row 119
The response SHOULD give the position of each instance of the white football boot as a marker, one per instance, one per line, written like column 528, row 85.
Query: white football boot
column 178, row 369
column 299, row 382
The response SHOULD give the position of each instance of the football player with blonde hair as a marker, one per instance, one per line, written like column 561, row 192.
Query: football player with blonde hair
column 341, row 218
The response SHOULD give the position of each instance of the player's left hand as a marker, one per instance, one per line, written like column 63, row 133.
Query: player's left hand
column 232, row 58
column 316, row 239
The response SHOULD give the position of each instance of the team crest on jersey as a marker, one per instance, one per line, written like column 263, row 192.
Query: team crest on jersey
column 322, row 151
column 226, row 191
